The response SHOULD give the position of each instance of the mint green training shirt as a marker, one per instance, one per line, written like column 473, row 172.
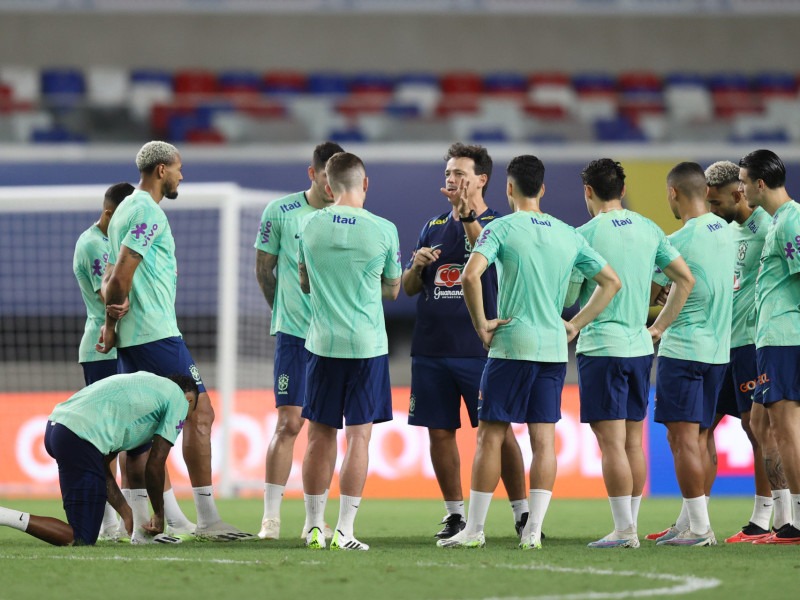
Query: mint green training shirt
column 536, row 253
column 122, row 412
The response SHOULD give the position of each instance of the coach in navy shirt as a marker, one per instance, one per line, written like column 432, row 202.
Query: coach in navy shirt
column 447, row 356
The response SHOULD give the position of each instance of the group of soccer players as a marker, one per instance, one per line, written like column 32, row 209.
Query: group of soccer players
column 727, row 281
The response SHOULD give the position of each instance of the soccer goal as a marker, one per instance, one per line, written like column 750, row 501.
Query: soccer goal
column 221, row 313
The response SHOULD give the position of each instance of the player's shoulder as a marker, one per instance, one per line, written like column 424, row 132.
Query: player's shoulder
column 438, row 220
column 381, row 222
column 788, row 216
column 286, row 205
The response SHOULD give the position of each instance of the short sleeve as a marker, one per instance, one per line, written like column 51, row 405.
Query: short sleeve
column 588, row 261
column 488, row 243
column 269, row 232
column 143, row 228
column 175, row 416
column 665, row 252
column 789, row 238
column 392, row 267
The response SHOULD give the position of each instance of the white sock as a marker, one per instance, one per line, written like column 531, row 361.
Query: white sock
column 538, row 503
column 273, row 495
column 348, row 507
column 621, row 512
column 315, row 510
column 698, row 514
column 172, row 511
column 782, row 507
column 519, row 507
column 140, row 507
column 683, row 518
column 14, row 518
column 636, row 503
column 762, row 511
column 207, row 513
column 109, row 518
column 454, row 507
column 479, row 503
column 796, row 508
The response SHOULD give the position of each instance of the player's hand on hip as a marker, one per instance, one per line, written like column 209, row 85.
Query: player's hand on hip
column 655, row 334
column 486, row 333
column 572, row 331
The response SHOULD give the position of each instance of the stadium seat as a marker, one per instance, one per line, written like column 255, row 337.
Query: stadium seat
column 192, row 82
column 56, row 135
column 237, row 83
column 505, row 84
column 107, row 87
column 420, row 89
column 460, row 83
column 285, row 82
column 62, row 89
column 330, row 84
column 24, row 82
column 618, row 130
column 148, row 88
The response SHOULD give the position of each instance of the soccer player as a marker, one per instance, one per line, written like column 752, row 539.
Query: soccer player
column 695, row 350
column 277, row 275
column 749, row 229
column 762, row 178
column 447, row 357
column 615, row 351
column 119, row 413
column 142, row 269
column 349, row 259
column 527, row 343
column 88, row 265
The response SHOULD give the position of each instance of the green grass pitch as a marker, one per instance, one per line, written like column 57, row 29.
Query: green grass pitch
column 403, row 561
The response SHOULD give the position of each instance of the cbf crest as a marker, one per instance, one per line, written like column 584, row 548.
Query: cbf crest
column 283, row 383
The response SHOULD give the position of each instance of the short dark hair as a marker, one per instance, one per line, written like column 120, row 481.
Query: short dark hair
column 766, row 166
column 185, row 382
column 606, row 177
column 527, row 171
column 117, row 193
column 345, row 171
column 322, row 154
column 689, row 179
column 478, row 154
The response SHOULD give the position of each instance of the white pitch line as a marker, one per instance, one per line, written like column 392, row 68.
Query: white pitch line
column 683, row 584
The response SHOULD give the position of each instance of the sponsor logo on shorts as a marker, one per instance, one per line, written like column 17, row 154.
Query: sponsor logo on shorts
column 749, row 386
column 283, row 384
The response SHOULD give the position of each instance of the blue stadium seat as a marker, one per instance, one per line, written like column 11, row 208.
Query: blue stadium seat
column 62, row 88
column 617, row 130
column 56, row 135
column 328, row 83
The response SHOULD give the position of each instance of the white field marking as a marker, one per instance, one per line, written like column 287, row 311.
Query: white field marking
column 681, row 584
column 215, row 561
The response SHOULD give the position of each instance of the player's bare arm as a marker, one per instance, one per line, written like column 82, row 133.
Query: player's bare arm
column 305, row 284
column 473, row 297
column 115, row 497
column 154, row 481
column 116, row 290
column 390, row 288
column 265, row 274
column 608, row 284
column 682, row 283
column 412, row 277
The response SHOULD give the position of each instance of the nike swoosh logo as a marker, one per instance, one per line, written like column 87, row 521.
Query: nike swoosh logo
column 20, row 517
column 297, row 236
column 141, row 496
column 767, row 505
column 201, row 494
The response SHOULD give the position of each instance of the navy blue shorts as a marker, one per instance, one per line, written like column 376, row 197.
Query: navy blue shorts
column 738, row 387
column 437, row 386
column 614, row 387
column 165, row 357
column 82, row 477
column 521, row 391
column 687, row 391
column 778, row 374
column 99, row 369
column 357, row 389
column 291, row 358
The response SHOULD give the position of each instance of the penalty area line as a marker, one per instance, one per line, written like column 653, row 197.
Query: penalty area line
column 680, row 584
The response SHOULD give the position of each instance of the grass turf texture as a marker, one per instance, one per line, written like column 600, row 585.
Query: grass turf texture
column 403, row 561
